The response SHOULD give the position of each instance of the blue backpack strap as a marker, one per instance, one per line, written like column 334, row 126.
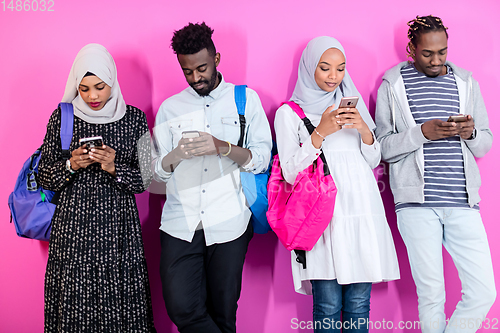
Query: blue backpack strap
column 240, row 98
column 67, row 118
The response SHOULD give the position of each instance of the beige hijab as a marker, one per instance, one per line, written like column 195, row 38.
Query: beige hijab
column 96, row 59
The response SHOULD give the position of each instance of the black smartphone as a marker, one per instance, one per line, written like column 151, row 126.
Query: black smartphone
column 95, row 141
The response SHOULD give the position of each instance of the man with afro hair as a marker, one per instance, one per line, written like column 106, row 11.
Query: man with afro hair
column 205, row 227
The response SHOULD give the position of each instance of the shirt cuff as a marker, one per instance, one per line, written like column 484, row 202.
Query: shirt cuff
column 160, row 172
column 250, row 166
column 418, row 136
column 375, row 146
column 310, row 150
column 371, row 153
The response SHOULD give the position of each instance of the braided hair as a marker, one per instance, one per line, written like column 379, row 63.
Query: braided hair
column 421, row 25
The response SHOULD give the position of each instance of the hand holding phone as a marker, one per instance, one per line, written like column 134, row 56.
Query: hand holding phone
column 185, row 148
column 80, row 157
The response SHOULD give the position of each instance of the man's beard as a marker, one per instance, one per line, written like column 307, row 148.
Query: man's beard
column 209, row 87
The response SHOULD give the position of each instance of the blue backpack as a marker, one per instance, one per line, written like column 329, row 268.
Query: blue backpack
column 254, row 186
column 31, row 206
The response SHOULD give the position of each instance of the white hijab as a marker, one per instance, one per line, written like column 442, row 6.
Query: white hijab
column 311, row 98
column 96, row 59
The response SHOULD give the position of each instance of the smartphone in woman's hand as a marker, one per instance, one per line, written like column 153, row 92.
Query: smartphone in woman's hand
column 95, row 141
column 348, row 102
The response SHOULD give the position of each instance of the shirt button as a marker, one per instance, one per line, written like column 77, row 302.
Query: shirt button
column 208, row 126
column 203, row 191
column 206, row 170
column 118, row 179
column 202, row 212
column 207, row 106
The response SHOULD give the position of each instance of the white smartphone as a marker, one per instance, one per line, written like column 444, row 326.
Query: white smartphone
column 349, row 102
column 190, row 134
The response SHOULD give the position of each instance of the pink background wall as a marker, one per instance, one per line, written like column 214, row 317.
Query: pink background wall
column 260, row 43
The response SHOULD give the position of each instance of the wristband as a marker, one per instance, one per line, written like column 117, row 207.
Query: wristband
column 229, row 151
column 68, row 167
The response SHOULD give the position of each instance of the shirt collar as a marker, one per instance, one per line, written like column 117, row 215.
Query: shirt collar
column 449, row 70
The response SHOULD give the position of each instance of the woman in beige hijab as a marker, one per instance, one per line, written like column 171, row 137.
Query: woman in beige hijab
column 96, row 278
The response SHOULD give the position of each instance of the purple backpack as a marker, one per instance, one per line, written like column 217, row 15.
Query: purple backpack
column 31, row 206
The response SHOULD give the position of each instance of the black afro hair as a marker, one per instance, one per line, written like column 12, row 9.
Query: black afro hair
column 193, row 38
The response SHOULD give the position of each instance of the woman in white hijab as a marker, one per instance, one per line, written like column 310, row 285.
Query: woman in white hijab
column 356, row 249
column 96, row 278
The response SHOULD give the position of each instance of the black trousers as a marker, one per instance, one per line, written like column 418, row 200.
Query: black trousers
column 202, row 284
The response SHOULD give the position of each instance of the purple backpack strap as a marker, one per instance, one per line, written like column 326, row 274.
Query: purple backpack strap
column 67, row 119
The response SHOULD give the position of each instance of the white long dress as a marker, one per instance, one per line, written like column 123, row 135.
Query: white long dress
column 357, row 245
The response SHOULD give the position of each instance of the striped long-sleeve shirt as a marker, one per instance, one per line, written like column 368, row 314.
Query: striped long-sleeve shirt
column 444, row 178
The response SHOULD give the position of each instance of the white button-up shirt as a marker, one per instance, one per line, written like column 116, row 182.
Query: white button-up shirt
column 208, row 188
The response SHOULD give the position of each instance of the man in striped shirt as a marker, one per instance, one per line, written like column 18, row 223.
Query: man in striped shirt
column 434, row 176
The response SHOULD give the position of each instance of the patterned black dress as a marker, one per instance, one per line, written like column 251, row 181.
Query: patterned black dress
column 96, row 278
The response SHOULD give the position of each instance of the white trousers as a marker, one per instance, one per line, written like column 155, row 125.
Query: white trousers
column 461, row 231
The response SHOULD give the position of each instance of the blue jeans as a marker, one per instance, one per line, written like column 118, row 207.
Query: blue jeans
column 332, row 299
column 461, row 231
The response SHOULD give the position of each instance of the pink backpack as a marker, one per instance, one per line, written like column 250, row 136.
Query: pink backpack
column 300, row 213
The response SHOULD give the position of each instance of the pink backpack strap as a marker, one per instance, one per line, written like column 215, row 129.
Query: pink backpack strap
column 295, row 107
column 310, row 128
